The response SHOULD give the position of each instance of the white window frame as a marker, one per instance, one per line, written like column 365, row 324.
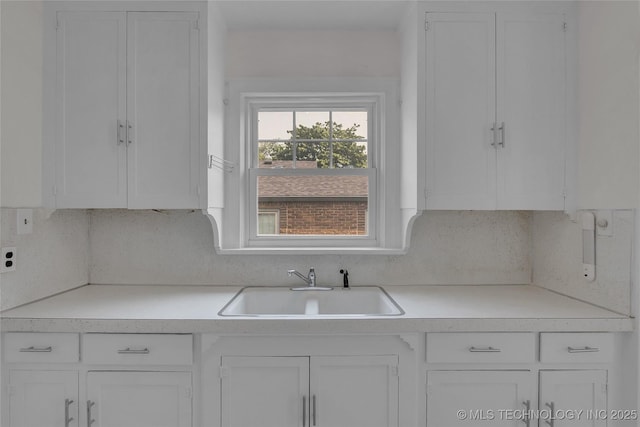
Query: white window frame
column 370, row 102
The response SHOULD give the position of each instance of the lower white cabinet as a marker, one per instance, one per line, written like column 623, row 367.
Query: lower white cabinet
column 43, row 398
column 465, row 398
column 140, row 399
column 576, row 398
column 327, row 391
column 122, row 380
column 476, row 379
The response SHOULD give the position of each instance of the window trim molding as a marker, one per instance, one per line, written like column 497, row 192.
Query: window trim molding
column 235, row 235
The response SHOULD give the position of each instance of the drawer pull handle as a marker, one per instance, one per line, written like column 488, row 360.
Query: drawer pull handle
column 33, row 349
column 484, row 350
column 585, row 349
column 134, row 351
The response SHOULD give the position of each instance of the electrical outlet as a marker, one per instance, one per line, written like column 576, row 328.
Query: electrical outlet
column 9, row 257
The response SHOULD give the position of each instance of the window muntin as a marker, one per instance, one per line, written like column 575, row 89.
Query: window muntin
column 314, row 163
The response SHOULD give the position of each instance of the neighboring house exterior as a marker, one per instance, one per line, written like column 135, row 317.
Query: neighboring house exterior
column 318, row 205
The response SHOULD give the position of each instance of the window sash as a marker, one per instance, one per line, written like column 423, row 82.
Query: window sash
column 256, row 240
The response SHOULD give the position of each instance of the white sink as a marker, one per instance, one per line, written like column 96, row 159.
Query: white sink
column 359, row 301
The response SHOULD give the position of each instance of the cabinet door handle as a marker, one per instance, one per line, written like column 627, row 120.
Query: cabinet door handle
column 494, row 131
column 134, row 351
column 67, row 418
column 313, row 409
column 89, row 419
column 129, row 132
column 585, row 349
column 484, row 350
column 527, row 409
column 304, row 411
column 120, row 132
column 33, row 349
column 502, row 140
column 552, row 408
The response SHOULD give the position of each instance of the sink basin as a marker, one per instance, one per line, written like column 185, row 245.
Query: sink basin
column 359, row 301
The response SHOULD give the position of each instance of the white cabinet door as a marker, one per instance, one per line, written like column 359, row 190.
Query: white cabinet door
column 460, row 110
column 495, row 111
column 265, row 391
column 90, row 156
column 354, row 391
column 43, row 398
column 327, row 391
column 575, row 390
column 128, row 110
column 475, row 398
column 163, row 109
column 531, row 104
column 139, row 399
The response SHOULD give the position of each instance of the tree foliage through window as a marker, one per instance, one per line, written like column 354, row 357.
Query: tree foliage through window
column 345, row 154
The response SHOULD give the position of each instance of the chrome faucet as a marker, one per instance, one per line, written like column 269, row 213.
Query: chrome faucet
column 310, row 280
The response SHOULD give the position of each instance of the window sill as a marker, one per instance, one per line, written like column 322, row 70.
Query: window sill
column 312, row 251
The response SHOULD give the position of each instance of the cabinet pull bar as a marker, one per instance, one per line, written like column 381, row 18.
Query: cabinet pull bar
column 120, row 132
column 33, row 349
column 527, row 408
column 484, row 350
column 129, row 132
column 552, row 408
column 304, row 411
column 502, row 141
column 89, row 419
column 493, row 130
column 134, row 351
column 313, row 413
column 585, row 349
column 67, row 418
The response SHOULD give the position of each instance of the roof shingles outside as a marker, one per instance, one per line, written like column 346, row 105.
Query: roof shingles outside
column 310, row 186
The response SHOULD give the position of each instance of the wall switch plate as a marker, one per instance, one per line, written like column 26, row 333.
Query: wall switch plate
column 25, row 221
column 9, row 256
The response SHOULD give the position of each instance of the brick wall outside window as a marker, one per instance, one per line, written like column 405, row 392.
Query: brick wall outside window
column 320, row 217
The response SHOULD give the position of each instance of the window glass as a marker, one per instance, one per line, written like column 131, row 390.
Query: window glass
column 295, row 146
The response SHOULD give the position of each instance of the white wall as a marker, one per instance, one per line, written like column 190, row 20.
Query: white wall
column 303, row 54
column 52, row 259
column 176, row 247
column 557, row 259
column 21, row 99
column 608, row 167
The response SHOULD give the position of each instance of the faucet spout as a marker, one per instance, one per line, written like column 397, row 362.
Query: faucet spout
column 307, row 280
column 310, row 280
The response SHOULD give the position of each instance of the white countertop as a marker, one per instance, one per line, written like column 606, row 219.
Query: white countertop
column 193, row 309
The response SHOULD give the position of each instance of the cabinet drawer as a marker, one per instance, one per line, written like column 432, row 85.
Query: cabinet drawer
column 33, row 347
column 578, row 347
column 137, row 349
column 480, row 347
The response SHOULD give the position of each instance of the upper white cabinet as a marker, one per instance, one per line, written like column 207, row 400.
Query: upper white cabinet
column 127, row 116
column 495, row 114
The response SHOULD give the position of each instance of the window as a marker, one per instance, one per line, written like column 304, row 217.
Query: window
column 313, row 161
column 314, row 167
column 268, row 222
